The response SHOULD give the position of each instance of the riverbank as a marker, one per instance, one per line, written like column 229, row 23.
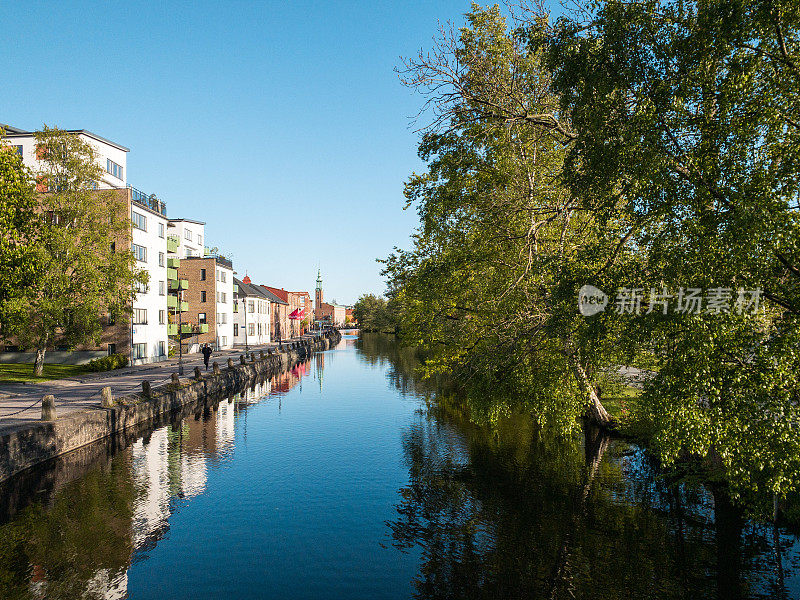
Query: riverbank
column 28, row 444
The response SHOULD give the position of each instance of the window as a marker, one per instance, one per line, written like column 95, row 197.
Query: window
column 235, row 329
column 140, row 252
column 140, row 316
column 201, row 318
column 187, row 234
column 139, row 351
column 199, row 240
column 251, row 329
column 162, row 348
column 251, row 306
column 140, row 287
column 162, row 288
column 112, row 349
column 161, row 230
column 259, row 329
column 162, row 317
column 113, row 168
column 202, row 295
column 18, row 150
column 223, row 297
column 223, row 340
column 222, row 318
column 202, row 274
column 139, row 221
column 160, row 259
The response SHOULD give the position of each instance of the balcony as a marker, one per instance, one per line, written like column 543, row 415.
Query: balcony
column 202, row 328
column 172, row 329
column 172, row 274
column 172, row 243
column 187, row 328
column 173, row 263
column 172, row 302
column 148, row 201
column 178, row 284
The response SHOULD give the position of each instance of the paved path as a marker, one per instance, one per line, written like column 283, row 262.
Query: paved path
column 21, row 403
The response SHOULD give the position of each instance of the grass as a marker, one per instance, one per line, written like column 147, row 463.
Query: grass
column 23, row 372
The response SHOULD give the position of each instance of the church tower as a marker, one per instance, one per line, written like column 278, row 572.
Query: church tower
column 318, row 297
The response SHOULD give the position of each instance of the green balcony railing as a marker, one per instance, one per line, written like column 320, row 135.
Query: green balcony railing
column 172, row 243
column 172, row 329
column 172, row 302
column 184, row 306
column 173, row 263
column 186, row 328
column 203, row 328
column 178, row 284
column 172, row 274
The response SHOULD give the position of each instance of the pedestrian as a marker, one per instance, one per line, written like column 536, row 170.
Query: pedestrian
column 206, row 355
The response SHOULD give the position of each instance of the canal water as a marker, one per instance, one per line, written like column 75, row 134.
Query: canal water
column 348, row 478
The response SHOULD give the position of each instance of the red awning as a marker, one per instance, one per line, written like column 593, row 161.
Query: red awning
column 294, row 316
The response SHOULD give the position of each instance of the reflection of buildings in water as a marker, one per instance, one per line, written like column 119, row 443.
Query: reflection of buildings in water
column 255, row 393
column 107, row 585
column 319, row 370
column 283, row 382
column 225, row 426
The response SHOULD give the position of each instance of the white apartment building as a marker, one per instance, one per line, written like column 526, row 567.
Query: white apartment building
column 251, row 317
column 191, row 237
column 110, row 156
column 224, row 302
column 149, row 338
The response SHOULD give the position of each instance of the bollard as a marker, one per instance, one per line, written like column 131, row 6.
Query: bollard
column 252, row 357
column 242, row 359
column 176, row 380
column 106, row 399
column 269, row 351
column 215, row 368
column 261, row 354
column 146, row 389
column 230, row 363
column 197, row 374
column 49, row 408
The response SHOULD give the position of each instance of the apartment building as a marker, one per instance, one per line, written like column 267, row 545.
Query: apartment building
column 207, row 290
column 190, row 236
column 142, row 335
column 252, row 312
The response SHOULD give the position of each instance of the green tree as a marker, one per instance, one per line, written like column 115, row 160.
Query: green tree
column 373, row 313
column 80, row 266
column 18, row 222
column 686, row 119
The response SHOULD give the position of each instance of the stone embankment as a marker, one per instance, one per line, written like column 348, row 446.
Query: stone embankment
column 30, row 445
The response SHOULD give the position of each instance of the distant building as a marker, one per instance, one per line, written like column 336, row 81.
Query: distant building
column 333, row 314
column 208, row 300
column 252, row 313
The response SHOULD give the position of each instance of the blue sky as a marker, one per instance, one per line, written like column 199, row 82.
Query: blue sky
column 274, row 122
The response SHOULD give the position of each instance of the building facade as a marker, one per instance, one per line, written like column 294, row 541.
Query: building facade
column 208, row 296
column 252, row 314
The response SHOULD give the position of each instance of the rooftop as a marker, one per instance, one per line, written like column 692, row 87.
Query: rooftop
column 13, row 132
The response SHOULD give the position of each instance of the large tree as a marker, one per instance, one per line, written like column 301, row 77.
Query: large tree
column 80, row 264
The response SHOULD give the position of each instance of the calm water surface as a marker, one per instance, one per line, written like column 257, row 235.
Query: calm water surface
column 345, row 479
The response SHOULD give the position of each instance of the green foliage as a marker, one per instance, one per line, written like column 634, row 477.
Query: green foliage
column 17, row 223
column 108, row 363
column 374, row 313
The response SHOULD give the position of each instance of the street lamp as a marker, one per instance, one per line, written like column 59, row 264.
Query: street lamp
column 244, row 309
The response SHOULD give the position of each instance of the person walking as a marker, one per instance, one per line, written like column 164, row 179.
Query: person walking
column 206, row 355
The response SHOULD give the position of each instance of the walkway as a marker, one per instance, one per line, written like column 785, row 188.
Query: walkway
column 20, row 404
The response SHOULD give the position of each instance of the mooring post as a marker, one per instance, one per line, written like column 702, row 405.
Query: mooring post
column 49, row 408
column 197, row 373
column 242, row 359
column 176, row 381
column 261, row 354
column 230, row 363
column 252, row 357
column 215, row 367
column 146, row 390
column 106, row 398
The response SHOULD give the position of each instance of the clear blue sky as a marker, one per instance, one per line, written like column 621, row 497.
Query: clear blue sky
column 273, row 122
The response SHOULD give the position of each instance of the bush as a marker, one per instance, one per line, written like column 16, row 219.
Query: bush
column 108, row 363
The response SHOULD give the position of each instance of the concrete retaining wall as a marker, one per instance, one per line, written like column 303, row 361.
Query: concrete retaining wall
column 28, row 446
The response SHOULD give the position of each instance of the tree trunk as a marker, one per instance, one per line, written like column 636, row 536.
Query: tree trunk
column 595, row 411
column 38, row 366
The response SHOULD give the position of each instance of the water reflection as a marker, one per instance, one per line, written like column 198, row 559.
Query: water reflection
column 505, row 510
column 102, row 510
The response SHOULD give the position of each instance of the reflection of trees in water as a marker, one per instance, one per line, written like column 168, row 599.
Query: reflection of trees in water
column 505, row 510
column 402, row 361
